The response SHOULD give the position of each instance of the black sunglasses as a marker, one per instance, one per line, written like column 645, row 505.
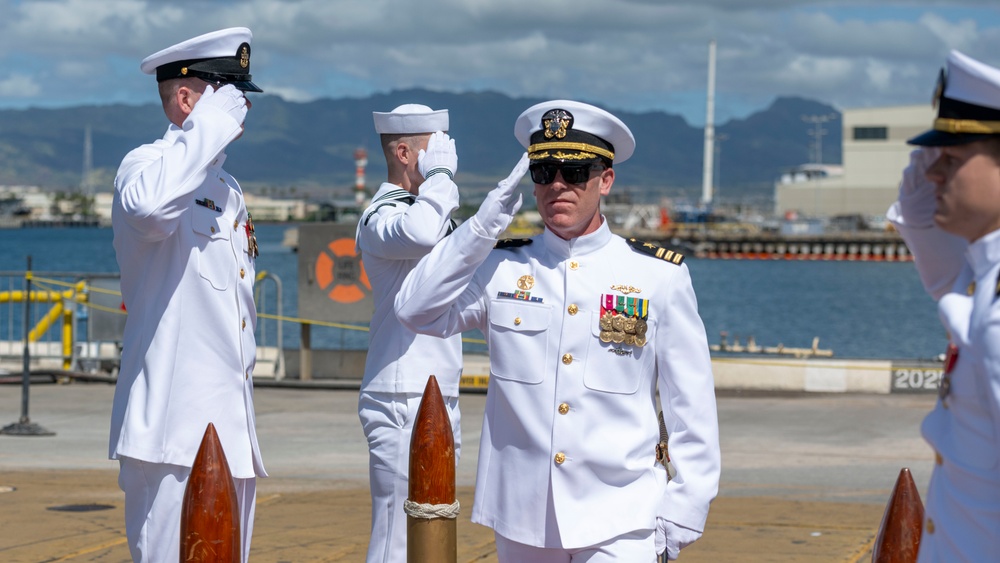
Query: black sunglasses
column 545, row 172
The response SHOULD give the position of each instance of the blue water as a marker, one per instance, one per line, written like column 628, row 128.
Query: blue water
column 857, row 309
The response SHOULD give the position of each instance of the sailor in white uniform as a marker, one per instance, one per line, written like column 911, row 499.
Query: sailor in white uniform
column 408, row 215
column 949, row 214
column 186, row 251
column 583, row 328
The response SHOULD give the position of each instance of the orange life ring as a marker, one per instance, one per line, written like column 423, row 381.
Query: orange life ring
column 340, row 273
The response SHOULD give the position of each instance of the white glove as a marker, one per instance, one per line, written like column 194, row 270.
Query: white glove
column 440, row 156
column 916, row 193
column 227, row 99
column 500, row 205
column 673, row 538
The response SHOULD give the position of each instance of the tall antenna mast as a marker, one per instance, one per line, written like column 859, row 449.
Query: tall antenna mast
column 88, row 162
column 706, row 177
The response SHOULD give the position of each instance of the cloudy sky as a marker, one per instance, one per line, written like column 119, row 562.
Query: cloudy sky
column 625, row 54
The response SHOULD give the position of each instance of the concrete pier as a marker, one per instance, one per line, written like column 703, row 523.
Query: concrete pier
column 806, row 476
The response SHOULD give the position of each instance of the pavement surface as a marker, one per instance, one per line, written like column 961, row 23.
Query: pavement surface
column 805, row 476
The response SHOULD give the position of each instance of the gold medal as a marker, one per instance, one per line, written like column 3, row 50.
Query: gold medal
column 618, row 323
column 618, row 337
column 640, row 327
column 525, row 282
column 605, row 322
column 630, row 325
column 630, row 339
column 640, row 341
column 605, row 336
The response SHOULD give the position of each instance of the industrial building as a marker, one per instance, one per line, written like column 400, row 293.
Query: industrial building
column 874, row 155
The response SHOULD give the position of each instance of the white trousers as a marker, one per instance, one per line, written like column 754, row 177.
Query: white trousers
column 633, row 546
column 154, row 493
column 387, row 420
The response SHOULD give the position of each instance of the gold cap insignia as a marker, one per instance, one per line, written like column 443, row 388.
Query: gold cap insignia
column 557, row 123
column 244, row 55
column 184, row 71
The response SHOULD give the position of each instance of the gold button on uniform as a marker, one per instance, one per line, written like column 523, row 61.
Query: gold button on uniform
column 563, row 408
column 235, row 225
column 574, row 265
column 567, row 359
column 560, row 458
column 243, row 273
column 573, row 309
column 246, row 375
column 517, row 321
column 244, row 323
column 930, row 526
column 938, row 459
column 212, row 229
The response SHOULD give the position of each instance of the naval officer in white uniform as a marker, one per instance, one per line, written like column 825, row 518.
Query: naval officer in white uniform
column 949, row 214
column 408, row 215
column 186, row 251
column 583, row 328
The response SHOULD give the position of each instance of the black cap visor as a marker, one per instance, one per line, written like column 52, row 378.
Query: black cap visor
column 935, row 138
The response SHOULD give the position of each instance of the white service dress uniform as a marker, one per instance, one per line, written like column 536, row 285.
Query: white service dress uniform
column 394, row 233
column 182, row 243
column 567, row 456
column 962, row 505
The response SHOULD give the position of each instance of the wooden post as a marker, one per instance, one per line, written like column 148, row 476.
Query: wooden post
column 432, row 483
column 898, row 539
column 210, row 529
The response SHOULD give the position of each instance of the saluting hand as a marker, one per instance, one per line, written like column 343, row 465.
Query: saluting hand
column 503, row 202
column 439, row 158
column 917, row 199
column 227, row 99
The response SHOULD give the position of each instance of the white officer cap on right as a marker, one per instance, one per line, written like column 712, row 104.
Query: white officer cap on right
column 968, row 103
column 565, row 130
column 410, row 119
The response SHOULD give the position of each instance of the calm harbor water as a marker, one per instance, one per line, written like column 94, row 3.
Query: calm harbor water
column 857, row 309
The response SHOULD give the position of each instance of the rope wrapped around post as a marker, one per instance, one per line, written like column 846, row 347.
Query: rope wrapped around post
column 431, row 508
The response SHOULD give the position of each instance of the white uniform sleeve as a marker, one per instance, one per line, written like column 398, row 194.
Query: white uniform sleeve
column 412, row 233
column 938, row 256
column 441, row 296
column 687, row 395
column 154, row 180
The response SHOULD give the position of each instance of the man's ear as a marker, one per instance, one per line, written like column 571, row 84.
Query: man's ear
column 186, row 98
column 403, row 152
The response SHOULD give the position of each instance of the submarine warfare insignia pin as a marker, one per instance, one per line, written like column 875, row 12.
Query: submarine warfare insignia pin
column 525, row 282
column 623, row 320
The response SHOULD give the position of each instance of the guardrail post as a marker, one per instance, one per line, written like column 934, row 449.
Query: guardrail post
column 24, row 426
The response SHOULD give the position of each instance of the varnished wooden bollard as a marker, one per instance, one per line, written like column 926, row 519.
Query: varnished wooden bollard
column 431, row 536
column 898, row 539
column 210, row 530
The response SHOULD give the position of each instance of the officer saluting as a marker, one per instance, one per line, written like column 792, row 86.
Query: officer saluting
column 949, row 214
column 583, row 328
column 186, row 251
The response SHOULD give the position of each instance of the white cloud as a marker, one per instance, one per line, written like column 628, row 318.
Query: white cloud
column 636, row 54
column 19, row 86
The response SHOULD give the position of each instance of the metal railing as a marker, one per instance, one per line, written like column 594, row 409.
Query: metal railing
column 75, row 322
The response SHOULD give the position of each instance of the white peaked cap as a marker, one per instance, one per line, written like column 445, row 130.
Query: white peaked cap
column 581, row 123
column 972, row 82
column 409, row 119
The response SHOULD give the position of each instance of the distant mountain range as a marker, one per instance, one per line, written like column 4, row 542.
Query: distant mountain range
column 307, row 149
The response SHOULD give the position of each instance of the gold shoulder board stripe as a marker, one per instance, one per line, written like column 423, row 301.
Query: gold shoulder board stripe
column 655, row 251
